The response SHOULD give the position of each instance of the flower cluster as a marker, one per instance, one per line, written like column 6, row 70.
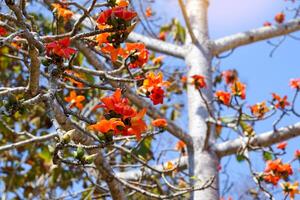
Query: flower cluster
column 259, row 109
column 120, row 118
column 237, row 88
column 62, row 11
column 152, row 87
column 275, row 170
column 60, row 48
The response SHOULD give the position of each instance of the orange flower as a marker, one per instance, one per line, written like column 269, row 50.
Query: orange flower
column 118, row 104
column 223, row 97
column 119, row 12
column 183, row 79
column 148, row 12
column 75, row 100
column 169, row 166
column 180, row 146
column 162, row 35
column 259, row 109
column 239, row 89
column 230, row 76
column 104, row 126
column 282, row 102
column 282, row 145
column 160, row 123
column 154, row 80
column 158, row 60
column 137, row 124
column 75, row 83
column 113, row 52
column 141, row 54
column 271, row 179
column 3, row 31
column 280, row 17
column 295, row 83
column 157, row 95
column 290, row 189
column 275, row 170
column 199, row 81
column 102, row 38
column 60, row 48
column 62, row 11
column 122, row 3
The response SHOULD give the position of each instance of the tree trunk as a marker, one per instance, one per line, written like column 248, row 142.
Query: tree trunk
column 202, row 163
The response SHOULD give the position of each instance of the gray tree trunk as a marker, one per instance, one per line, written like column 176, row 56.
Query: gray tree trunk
column 202, row 163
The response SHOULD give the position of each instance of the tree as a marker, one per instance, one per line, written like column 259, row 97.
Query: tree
column 76, row 88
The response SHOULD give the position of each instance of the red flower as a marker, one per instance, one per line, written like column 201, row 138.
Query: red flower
column 137, row 124
column 199, row 81
column 105, row 126
column 141, row 54
column 223, row 97
column 282, row 145
column 180, row 145
column 162, row 36
column 3, row 31
column 230, row 76
column 275, row 170
column 281, row 102
column 280, row 17
column 239, row 89
column 120, row 12
column 157, row 95
column 160, row 123
column 295, row 83
column 118, row 104
column 60, row 48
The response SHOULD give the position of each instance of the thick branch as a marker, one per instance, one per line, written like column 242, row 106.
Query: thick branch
column 248, row 37
column 158, row 45
column 262, row 140
column 34, row 78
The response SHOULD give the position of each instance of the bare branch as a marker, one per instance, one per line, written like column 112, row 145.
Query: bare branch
column 261, row 140
column 158, row 45
column 249, row 37
column 29, row 141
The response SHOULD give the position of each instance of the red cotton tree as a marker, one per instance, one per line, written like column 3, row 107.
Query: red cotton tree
column 86, row 104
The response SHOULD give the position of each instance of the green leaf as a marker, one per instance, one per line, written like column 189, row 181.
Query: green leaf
column 267, row 156
column 240, row 157
column 144, row 150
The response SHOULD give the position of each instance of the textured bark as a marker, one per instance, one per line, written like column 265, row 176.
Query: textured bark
column 202, row 163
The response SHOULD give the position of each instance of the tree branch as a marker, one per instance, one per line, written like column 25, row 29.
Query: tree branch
column 29, row 141
column 135, row 175
column 34, row 78
column 158, row 45
column 261, row 140
column 249, row 37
